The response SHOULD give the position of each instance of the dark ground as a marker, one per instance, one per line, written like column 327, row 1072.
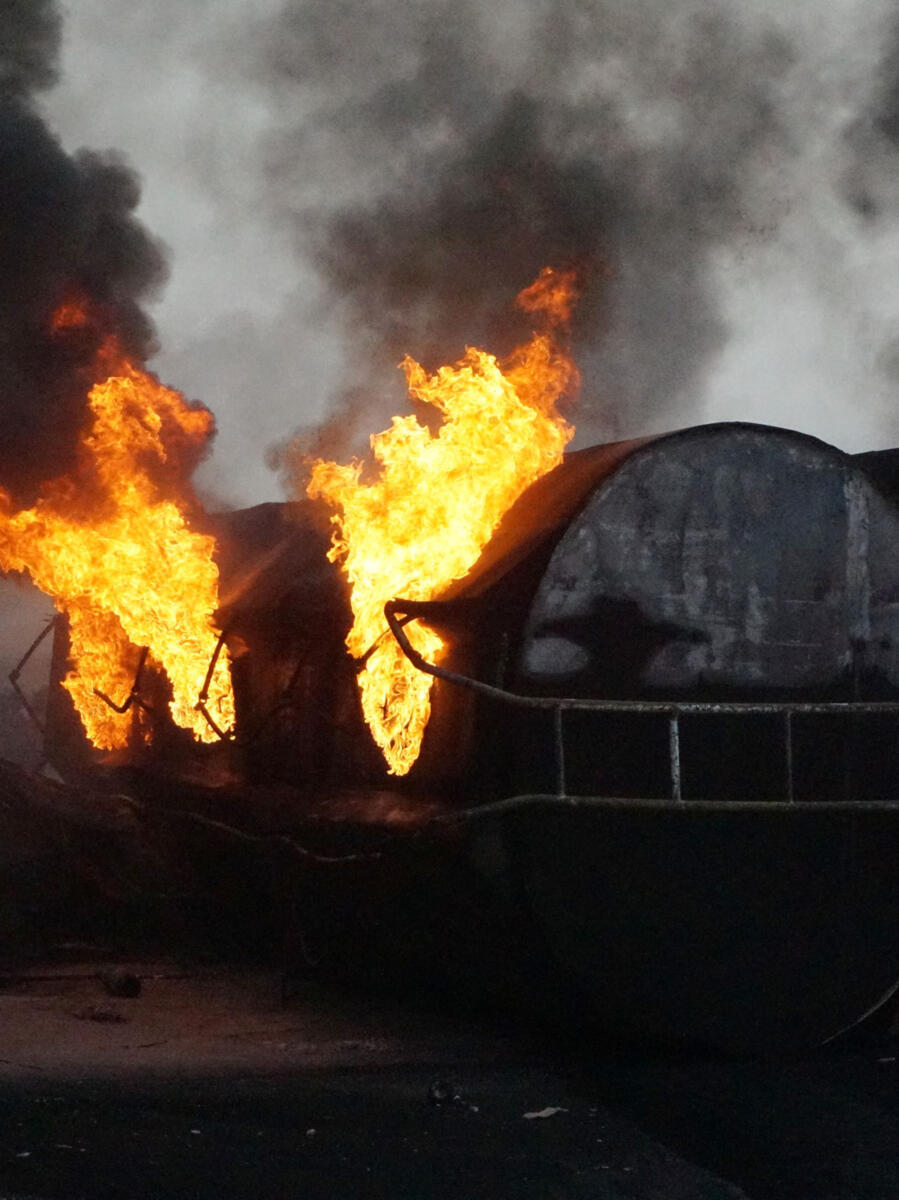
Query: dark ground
column 208, row 1085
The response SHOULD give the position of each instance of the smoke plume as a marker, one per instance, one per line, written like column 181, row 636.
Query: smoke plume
column 870, row 180
column 67, row 232
column 446, row 152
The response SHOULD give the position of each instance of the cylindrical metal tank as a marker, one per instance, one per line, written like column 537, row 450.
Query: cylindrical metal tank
column 727, row 562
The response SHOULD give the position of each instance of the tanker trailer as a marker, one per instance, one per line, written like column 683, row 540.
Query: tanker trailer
column 678, row 660
column 658, row 789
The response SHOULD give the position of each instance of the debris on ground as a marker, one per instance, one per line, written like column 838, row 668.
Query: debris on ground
column 122, row 984
column 104, row 1016
column 443, row 1092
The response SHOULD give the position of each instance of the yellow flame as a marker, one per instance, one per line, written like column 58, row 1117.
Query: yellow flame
column 121, row 562
column 437, row 499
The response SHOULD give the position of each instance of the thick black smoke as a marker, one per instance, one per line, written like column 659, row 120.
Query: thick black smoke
column 447, row 151
column 67, row 231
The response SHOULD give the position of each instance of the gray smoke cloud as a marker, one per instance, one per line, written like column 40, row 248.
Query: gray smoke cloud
column 325, row 177
column 871, row 179
column 448, row 151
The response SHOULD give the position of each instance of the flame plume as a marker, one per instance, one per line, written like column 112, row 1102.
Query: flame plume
column 118, row 557
column 437, row 499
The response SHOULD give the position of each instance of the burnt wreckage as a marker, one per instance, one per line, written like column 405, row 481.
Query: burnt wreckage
column 658, row 789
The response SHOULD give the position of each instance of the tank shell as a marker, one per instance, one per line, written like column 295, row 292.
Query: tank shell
column 730, row 560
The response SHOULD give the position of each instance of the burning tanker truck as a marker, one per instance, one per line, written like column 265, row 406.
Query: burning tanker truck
column 616, row 736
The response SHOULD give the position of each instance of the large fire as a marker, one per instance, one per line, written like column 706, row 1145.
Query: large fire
column 437, row 498
column 117, row 555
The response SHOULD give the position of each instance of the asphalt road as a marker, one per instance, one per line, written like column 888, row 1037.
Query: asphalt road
column 208, row 1086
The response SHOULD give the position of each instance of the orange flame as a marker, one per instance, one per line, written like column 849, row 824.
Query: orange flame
column 437, row 499
column 119, row 560
column 553, row 293
column 72, row 314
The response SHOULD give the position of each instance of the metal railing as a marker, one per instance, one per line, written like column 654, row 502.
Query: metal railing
column 135, row 699
column 399, row 612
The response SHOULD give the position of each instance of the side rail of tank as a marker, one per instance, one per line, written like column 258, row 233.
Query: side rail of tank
column 135, row 698
column 399, row 612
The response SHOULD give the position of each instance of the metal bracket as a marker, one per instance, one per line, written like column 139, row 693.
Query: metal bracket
column 200, row 706
column 134, row 694
column 359, row 663
column 285, row 700
column 20, row 666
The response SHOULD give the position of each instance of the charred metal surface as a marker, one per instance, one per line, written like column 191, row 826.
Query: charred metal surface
column 743, row 927
column 719, row 558
column 286, row 612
